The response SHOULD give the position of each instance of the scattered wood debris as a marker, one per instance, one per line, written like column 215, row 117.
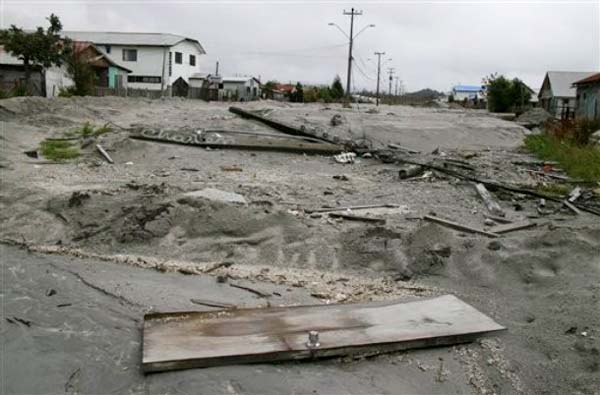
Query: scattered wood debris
column 458, row 226
column 104, row 153
column 505, row 228
column 352, row 217
column 492, row 205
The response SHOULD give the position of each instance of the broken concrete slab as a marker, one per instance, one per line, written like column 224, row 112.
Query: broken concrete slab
column 175, row 341
column 213, row 194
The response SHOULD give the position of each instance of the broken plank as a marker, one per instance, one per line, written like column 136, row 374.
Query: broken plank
column 571, row 207
column 201, row 339
column 458, row 226
column 243, row 143
column 492, row 205
column 210, row 303
column 104, row 153
column 505, row 228
column 282, row 127
column 345, row 208
column 251, row 290
column 500, row 220
column 352, row 217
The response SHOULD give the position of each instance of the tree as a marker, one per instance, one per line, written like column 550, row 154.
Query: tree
column 41, row 48
column 506, row 95
column 337, row 89
column 299, row 93
column 83, row 75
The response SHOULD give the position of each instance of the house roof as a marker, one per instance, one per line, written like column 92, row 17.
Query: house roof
column 591, row 79
column 134, row 39
column 80, row 46
column 561, row 82
column 237, row 79
column 468, row 88
column 199, row 76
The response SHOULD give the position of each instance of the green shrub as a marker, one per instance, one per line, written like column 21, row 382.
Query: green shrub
column 59, row 150
column 580, row 162
column 89, row 130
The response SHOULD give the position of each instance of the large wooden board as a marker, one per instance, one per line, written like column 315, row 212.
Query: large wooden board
column 202, row 339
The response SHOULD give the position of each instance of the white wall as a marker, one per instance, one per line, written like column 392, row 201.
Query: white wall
column 149, row 63
column 56, row 78
column 184, row 70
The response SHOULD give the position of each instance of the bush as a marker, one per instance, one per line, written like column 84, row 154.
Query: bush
column 581, row 162
column 506, row 95
column 58, row 150
column 573, row 131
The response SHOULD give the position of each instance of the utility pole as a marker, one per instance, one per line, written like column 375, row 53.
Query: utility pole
column 351, row 13
column 391, row 73
column 378, row 73
column 396, row 87
column 217, row 71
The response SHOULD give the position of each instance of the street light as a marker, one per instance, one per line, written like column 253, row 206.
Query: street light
column 351, row 38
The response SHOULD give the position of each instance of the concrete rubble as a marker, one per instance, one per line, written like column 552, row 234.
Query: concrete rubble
column 89, row 247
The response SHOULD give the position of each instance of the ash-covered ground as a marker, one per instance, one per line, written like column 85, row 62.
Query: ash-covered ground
column 113, row 241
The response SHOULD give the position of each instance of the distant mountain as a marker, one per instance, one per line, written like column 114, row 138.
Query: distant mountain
column 424, row 94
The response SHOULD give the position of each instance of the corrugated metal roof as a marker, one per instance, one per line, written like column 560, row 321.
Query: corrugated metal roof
column 125, row 38
column 590, row 79
column 561, row 82
column 468, row 88
column 236, row 79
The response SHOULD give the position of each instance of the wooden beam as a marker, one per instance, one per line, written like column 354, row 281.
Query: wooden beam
column 491, row 204
column 192, row 339
column 352, row 217
column 505, row 228
column 457, row 226
column 243, row 142
column 104, row 153
column 282, row 127
column 345, row 208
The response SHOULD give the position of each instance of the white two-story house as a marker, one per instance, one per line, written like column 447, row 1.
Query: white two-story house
column 156, row 60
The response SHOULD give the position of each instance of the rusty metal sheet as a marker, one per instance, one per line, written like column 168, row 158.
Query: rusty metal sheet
column 201, row 339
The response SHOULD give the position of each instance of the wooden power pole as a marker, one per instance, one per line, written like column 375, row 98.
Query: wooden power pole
column 378, row 74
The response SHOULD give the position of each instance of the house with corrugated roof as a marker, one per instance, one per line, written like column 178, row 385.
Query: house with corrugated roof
column 558, row 95
column 588, row 97
column 468, row 92
column 158, row 61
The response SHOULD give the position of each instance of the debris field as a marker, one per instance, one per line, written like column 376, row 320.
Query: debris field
column 183, row 206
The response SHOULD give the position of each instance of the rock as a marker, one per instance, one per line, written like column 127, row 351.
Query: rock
column 595, row 138
column 441, row 250
column 488, row 222
column 494, row 245
column 213, row 194
column 336, row 120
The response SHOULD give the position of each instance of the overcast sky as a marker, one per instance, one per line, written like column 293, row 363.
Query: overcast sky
column 436, row 44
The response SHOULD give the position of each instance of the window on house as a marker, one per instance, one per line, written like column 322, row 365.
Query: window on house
column 130, row 55
column 107, row 47
column 178, row 57
column 144, row 79
column 170, row 64
column 192, row 60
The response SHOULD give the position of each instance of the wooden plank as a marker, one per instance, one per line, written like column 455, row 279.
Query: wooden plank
column 201, row 339
column 492, row 205
column 243, row 142
column 344, row 208
column 505, row 228
column 572, row 207
column 455, row 225
column 104, row 153
column 352, row 217
column 282, row 127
